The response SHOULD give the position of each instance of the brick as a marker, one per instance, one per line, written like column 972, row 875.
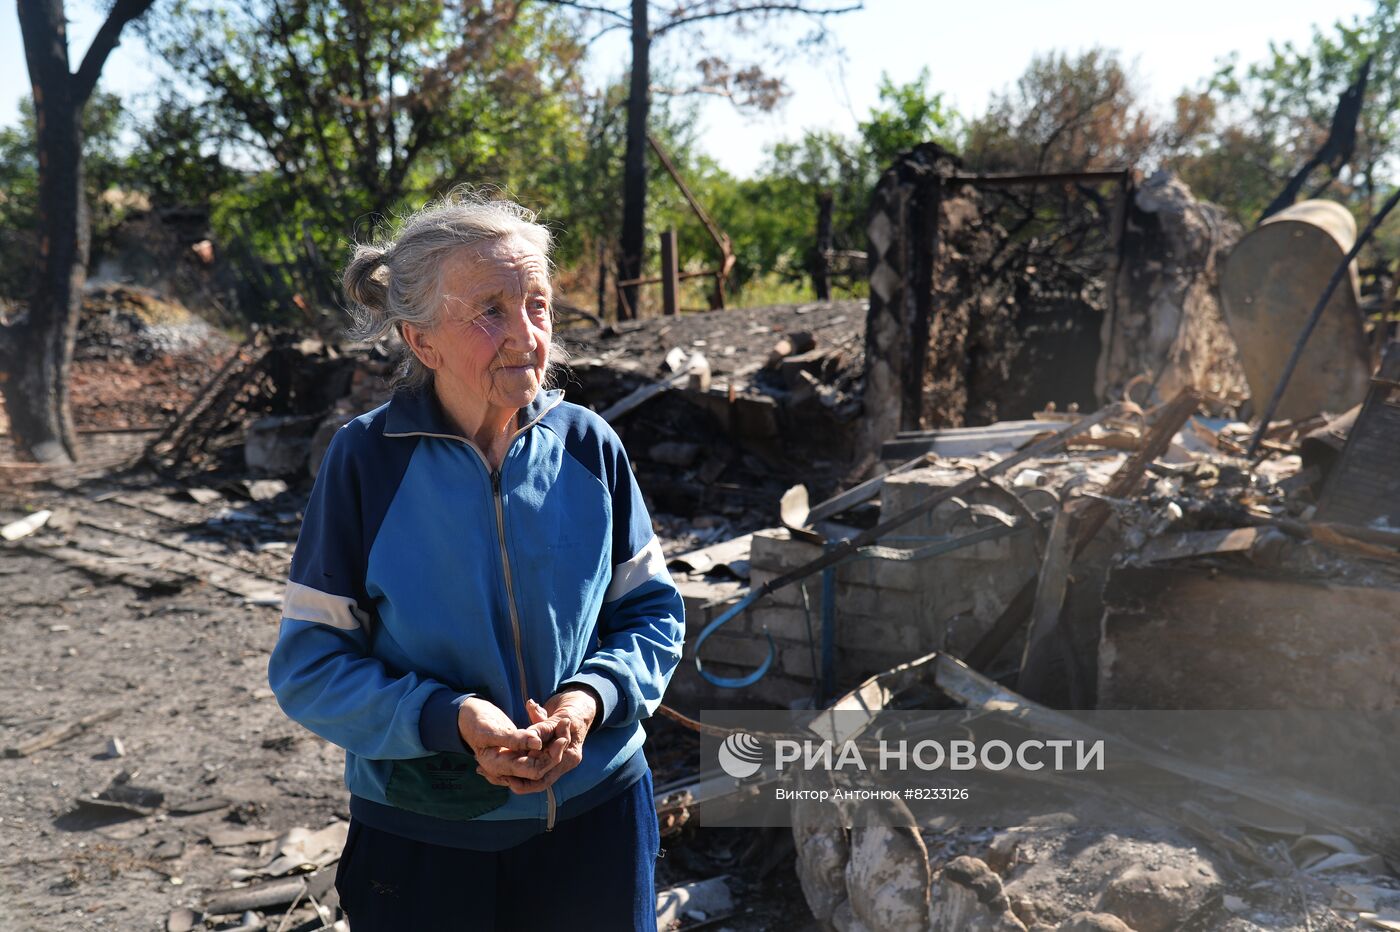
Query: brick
column 857, row 600
column 901, row 607
column 859, row 571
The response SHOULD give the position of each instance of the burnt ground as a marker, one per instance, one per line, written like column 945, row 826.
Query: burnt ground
column 183, row 663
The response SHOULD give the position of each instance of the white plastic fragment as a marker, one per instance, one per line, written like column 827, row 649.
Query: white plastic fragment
column 26, row 526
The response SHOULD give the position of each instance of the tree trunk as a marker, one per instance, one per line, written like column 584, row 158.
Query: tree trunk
column 36, row 353
column 634, row 172
column 39, row 349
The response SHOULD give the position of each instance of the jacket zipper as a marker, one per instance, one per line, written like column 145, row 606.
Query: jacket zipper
column 505, row 559
column 515, row 619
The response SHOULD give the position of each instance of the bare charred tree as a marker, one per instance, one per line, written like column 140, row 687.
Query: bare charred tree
column 1335, row 152
column 746, row 86
column 634, row 168
column 36, row 351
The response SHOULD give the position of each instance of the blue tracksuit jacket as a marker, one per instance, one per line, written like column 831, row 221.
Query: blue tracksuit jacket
column 421, row 577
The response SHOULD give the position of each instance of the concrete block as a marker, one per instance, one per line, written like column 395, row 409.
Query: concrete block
column 899, row 635
column 906, row 490
column 908, row 575
column 737, row 649
column 853, row 665
column 857, row 600
column 775, row 549
column 894, row 605
column 789, row 596
column 697, row 593
column 1017, row 547
column 783, row 622
column 990, row 550
column 980, row 586
column 859, row 571
column 799, row 660
column 775, row 689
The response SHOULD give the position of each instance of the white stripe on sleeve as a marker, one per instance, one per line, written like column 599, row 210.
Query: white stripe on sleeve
column 302, row 603
column 648, row 563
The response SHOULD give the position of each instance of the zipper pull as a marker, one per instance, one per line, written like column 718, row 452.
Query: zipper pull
column 496, row 481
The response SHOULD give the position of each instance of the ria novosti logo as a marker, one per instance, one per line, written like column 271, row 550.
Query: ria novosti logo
column 740, row 755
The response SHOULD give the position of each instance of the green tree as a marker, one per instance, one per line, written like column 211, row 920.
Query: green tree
column 747, row 86
column 102, row 122
column 352, row 111
column 847, row 168
column 771, row 218
column 908, row 114
column 1066, row 113
column 178, row 157
column 1269, row 116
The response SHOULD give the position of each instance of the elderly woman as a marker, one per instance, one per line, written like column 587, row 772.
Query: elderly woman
column 478, row 611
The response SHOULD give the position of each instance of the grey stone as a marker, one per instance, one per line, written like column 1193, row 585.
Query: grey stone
column 1093, row 922
column 1162, row 899
column 968, row 897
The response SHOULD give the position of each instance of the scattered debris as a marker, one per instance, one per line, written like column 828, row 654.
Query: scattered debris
column 1363, row 489
column 61, row 733
column 123, row 797
column 694, row 904
column 265, row 895
column 183, row 919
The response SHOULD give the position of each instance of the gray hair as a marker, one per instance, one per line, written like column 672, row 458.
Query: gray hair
column 398, row 280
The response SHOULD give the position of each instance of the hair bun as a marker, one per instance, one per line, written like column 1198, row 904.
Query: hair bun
column 366, row 280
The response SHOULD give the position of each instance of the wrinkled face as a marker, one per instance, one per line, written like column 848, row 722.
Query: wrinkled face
column 491, row 342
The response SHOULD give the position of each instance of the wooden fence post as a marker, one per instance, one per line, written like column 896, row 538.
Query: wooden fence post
column 670, row 272
column 821, row 261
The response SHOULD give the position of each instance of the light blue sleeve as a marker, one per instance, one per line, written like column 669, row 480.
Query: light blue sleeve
column 321, row 669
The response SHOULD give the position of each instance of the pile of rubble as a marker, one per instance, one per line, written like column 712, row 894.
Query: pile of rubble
column 140, row 358
column 129, row 322
column 1139, row 562
column 720, row 411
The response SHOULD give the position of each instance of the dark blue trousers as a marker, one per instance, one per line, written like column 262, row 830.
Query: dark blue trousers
column 594, row 871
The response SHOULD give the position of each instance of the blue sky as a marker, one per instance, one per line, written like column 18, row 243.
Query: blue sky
column 971, row 50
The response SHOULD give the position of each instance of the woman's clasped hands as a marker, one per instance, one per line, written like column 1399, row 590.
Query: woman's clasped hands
column 531, row 759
